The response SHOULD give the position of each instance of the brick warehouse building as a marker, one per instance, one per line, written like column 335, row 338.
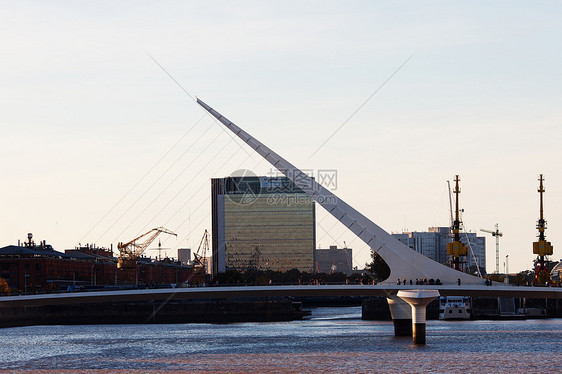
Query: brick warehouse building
column 31, row 268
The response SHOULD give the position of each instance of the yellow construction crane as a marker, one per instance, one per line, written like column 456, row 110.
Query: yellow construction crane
column 129, row 252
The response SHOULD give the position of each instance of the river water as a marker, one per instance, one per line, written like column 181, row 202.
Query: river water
column 332, row 340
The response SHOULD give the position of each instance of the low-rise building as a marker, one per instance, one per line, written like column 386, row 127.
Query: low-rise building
column 184, row 256
column 334, row 260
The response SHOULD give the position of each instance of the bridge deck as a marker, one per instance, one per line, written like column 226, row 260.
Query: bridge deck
column 272, row 291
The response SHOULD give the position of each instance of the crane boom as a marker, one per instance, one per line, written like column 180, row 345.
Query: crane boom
column 131, row 251
column 494, row 233
column 450, row 203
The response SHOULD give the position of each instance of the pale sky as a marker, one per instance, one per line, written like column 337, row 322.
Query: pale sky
column 86, row 113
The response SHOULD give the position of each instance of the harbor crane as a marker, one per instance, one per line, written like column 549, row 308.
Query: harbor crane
column 497, row 234
column 129, row 252
column 459, row 222
column 457, row 249
column 542, row 248
column 199, row 260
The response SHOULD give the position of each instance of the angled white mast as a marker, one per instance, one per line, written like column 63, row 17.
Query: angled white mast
column 404, row 262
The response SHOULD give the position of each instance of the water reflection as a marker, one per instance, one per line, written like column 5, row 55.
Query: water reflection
column 333, row 340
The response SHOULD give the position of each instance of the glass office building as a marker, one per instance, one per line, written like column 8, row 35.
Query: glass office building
column 263, row 223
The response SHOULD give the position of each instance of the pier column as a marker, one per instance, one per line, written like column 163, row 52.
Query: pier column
column 418, row 299
column 401, row 313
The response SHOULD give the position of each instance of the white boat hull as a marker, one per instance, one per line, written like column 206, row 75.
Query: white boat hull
column 454, row 308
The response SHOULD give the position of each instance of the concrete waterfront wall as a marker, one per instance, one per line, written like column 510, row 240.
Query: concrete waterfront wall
column 174, row 311
column 491, row 307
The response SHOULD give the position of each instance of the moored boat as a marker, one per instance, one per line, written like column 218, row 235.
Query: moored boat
column 454, row 307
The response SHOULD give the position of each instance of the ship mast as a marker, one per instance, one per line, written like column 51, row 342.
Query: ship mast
column 457, row 249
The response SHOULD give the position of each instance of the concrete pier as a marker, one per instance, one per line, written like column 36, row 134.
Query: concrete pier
column 418, row 300
column 401, row 313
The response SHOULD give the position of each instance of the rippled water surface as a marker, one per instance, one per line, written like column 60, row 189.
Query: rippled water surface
column 333, row 340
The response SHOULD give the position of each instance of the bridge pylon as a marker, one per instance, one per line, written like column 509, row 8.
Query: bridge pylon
column 418, row 300
column 404, row 263
column 401, row 314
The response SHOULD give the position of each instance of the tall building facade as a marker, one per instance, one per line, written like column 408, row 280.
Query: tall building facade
column 433, row 244
column 263, row 223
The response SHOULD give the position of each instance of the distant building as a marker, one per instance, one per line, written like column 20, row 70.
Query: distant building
column 476, row 245
column 444, row 235
column 433, row 244
column 429, row 244
column 264, row 223
column 184, row 255
column 334, row 260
